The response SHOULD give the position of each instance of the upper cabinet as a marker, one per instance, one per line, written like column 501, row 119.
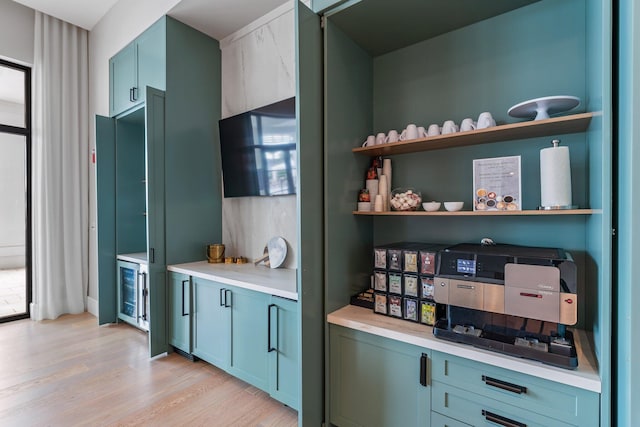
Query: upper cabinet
column 140, row 64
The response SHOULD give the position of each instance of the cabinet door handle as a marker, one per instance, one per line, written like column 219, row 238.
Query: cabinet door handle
column 227, row 301
column 134, row 90
column 423, row 369
column 130, row 94
column 184, row 282
column 269, row 347
column 513, row 388
column 145, row 292
column 221, row 291
column 152, row 255
column 500, row 420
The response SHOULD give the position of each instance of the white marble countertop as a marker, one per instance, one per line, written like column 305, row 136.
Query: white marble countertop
column 139, row 257
column 281, row 282
column 585, row 376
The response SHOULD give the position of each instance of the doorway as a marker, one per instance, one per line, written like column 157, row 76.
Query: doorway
column 15, row 191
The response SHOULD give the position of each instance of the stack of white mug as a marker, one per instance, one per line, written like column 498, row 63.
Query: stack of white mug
column 412, row 131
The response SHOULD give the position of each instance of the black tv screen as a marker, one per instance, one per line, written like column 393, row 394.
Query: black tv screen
column 258, row 150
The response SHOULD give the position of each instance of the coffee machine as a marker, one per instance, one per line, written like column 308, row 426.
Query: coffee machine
column 512, row 299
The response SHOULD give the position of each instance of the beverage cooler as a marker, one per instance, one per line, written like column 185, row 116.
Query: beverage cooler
column 133, row 290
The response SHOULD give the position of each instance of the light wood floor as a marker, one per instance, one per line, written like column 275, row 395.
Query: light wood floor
column 70, row 372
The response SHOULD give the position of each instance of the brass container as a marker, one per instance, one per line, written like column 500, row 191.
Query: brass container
column 215, row 253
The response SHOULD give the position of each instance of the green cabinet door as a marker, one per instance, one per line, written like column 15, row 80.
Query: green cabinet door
column 106, row 206
column 284, row 378
column 151, row 60
column 211, row 321
column 376, row 381
column 123, row 79
column 179, row 286
column 249, row 336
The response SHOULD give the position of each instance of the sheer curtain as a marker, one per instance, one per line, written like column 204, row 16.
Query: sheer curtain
column 60, row 168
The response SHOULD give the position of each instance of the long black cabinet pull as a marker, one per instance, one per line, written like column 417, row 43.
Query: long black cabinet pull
column 184, row 282
column 227, row 301
column 222, row 304
column 269, row 347
column 423, row 369
column 513, row 388
column 130, row 94
column 145, row 292
column 500, row 420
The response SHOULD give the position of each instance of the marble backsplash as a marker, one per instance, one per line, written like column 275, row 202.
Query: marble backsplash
column 258, row 68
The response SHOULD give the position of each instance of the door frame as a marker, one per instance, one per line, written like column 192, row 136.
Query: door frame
column 26, row 132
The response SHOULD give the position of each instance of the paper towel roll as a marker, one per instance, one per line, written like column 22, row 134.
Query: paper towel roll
column 555, row 177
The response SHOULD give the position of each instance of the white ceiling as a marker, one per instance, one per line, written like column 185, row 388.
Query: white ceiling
column 217, row 18
column 83, row 13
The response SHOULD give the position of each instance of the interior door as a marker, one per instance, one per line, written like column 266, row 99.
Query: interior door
column 106, row 218
column 155, row 141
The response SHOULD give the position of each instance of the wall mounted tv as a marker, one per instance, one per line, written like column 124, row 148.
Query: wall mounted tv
column 258, row 150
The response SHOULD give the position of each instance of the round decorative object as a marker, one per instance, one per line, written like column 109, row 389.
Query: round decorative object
column 542, row 108
column 405, row 199
column 277, row 251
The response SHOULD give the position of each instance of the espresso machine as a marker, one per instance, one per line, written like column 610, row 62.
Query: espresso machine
column 516, row 300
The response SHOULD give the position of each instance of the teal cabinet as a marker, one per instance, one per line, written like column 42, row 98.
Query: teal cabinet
column 123, row 79
column 179, row 288
column 139, row 64
column 249, row 333
column 513, row 395
column 158, row 180
column 282, row 349
column 211, row 322
column 434, row 69
column 376, row 381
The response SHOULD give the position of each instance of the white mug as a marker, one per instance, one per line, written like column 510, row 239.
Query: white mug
column 370, row 142
column 449, row 127
column 380, row 138
column 422, row 132
column 467, row 124
column 392, row 136
column 411, row 132
column 485, row 120
column 433, row 130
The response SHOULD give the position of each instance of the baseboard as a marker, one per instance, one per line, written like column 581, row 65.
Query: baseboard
column 92, row 306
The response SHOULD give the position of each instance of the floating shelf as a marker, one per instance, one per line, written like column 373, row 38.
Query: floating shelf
column 531, row 129
column 483, row 213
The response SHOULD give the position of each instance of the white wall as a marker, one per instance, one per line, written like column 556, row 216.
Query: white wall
column 258, row 68
column 16, row 32
column 123, row 23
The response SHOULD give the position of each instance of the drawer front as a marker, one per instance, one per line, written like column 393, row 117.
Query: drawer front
column 439, row 420
column 559, row 401
column 474, row 409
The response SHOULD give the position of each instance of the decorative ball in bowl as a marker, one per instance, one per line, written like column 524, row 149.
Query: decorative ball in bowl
column 405, row 199
column 431, row 206
column 453, row 206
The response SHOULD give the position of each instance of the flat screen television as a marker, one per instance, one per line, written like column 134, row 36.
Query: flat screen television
column 258, row 150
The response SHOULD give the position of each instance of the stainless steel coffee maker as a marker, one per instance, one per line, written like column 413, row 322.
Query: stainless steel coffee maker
column 513, row 299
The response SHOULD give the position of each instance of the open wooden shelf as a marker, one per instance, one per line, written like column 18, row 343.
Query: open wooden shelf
column 483, row 213
column 532, row 129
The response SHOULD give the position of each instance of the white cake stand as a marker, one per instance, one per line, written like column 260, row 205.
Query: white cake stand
column 542, row 108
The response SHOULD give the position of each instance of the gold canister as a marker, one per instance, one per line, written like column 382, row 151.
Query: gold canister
column 215, row 253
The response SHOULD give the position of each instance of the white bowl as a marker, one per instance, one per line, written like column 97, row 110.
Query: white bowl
column 431, row 206
column 453, row 206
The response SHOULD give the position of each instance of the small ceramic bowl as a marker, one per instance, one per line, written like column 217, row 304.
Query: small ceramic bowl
column 431, row 206
column 453, row 206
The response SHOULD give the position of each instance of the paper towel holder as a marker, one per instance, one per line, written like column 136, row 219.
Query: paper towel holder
column 556, row 143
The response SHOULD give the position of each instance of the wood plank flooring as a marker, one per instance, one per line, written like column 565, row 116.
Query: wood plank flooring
column 70, row 372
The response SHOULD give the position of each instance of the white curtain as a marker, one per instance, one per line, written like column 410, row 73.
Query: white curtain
column 60, row 168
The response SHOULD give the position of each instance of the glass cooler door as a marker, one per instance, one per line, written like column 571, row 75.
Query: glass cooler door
column 128, row 285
